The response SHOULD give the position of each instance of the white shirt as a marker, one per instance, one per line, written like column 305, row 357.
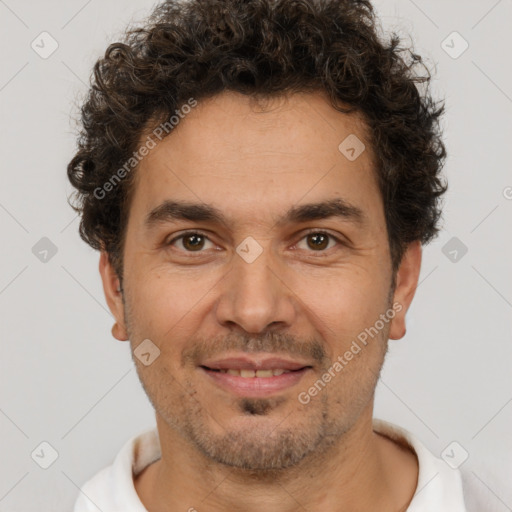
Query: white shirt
column 112, row 489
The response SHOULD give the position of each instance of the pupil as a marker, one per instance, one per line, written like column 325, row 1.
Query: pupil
column 316, row 237
column 196, row 244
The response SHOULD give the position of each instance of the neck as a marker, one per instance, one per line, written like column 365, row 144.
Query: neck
column 362, row 471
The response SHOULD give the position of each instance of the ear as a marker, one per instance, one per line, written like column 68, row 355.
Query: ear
column 113, row 297
column 406, row 284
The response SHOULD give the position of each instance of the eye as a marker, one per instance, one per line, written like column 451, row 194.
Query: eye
column 194, row 241
column 191, row 241
column 318, row 241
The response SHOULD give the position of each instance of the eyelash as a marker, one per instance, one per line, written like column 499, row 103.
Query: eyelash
column 311, row 232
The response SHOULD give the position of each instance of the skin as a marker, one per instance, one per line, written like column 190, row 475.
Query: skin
column 220, row 451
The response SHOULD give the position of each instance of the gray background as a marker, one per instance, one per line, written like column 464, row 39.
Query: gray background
column 66, row 381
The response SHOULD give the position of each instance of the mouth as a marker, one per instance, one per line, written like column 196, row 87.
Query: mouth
column 250, row 374
column 247, row 377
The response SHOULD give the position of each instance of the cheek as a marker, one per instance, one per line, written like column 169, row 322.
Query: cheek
column 160, row 291
column 343, row 304
column 168, row 305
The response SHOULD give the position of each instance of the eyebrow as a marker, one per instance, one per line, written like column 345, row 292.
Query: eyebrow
column 169, row 211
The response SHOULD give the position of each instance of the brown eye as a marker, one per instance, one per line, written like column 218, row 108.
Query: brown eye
column 193, row 242
column 190, row 242
column 318, row 240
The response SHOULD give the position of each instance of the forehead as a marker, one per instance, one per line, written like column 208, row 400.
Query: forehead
column 248, row 157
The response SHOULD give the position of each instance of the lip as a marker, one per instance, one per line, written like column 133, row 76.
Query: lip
column 252, row 363
column 254, row 386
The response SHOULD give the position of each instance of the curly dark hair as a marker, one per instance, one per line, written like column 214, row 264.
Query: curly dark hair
column 262, row 48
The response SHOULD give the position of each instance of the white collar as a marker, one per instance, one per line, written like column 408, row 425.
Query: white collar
column 112, row 489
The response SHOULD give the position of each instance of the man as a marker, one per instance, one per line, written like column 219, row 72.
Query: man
column 259, row 177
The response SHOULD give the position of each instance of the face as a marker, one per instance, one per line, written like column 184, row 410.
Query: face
column 256, row 255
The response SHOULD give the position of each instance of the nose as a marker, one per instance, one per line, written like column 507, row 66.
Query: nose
column 254, row 296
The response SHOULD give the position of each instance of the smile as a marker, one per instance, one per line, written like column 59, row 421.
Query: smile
column 254, row 383
column 250, row 374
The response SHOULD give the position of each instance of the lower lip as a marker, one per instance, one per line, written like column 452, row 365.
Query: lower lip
column 256, row 386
